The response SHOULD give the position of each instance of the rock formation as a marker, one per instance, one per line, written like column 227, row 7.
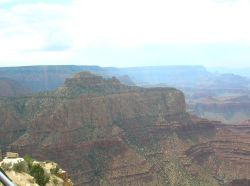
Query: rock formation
column 106, row 133
column 26, row 171
column 228, row 109
column 227, row 155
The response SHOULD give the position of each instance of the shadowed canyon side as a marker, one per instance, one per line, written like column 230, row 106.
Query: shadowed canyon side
column 12, row 88
column 105, row 133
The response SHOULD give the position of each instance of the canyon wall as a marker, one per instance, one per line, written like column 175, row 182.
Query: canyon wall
column 105, row 133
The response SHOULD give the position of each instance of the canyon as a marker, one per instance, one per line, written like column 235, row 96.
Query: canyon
column 103, row 132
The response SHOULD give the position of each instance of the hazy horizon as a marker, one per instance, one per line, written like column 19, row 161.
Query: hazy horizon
column 213, row 68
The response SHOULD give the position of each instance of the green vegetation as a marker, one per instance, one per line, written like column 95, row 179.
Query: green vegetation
column 174, row 174
column 29, row 161
column 38, row 173
column 20, row 167
column 54, row 170
column 55, row 181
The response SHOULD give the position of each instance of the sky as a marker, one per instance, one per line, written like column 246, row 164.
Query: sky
column 125, row 33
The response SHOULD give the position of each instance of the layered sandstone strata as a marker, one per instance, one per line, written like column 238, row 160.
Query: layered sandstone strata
column 227, row 156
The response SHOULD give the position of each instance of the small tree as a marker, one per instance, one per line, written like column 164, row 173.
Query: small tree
column 28, row 160
column 38, row 173
column 20, row 167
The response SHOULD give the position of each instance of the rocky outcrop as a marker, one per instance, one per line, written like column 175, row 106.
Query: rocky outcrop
column 26, row 171
column 87, row 83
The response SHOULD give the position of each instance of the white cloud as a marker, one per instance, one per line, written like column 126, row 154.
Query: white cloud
column 4, row 1
column 30, row 27
column 133, row 22
column 61, row 32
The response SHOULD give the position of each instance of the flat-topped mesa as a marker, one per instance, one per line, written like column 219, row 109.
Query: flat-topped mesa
column 87, row 82
column 140, row 108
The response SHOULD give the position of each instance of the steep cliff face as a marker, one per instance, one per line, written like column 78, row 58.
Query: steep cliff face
column 227, row 112
column 226, row 105
column 12, row 124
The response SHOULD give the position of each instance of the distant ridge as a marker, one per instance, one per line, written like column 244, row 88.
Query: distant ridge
column 44, row 78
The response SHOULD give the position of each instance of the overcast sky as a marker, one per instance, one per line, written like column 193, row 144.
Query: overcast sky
column 125, row 32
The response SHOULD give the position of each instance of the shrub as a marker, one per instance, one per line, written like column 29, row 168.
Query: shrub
column 55, row 181
column 20, row 167
column 28, row 160
column 38, row 173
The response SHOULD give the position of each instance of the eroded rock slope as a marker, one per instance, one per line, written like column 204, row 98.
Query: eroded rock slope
column 105, row 133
